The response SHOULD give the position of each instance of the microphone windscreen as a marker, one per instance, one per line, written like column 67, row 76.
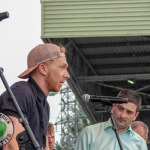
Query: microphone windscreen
column 86, row 98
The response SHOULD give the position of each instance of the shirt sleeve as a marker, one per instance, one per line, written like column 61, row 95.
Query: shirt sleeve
column 82, row 142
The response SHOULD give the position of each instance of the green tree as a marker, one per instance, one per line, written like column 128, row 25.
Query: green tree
column 57, row 146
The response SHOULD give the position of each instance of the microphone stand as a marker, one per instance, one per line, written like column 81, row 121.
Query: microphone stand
column 24, row 136
column 109, row 111
column 4, row 15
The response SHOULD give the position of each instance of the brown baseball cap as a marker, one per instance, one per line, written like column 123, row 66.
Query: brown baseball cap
column 40, row 54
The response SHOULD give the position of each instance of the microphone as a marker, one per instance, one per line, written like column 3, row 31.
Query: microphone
column 106, row 100
column 4, row 15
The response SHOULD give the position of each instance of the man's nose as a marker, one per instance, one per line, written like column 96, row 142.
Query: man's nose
column 123, row 114
column 67, row 76
column 50, row 140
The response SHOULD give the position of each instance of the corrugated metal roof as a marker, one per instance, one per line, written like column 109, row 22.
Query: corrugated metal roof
column 85, row 18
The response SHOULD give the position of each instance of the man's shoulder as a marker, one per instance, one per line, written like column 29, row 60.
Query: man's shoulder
column 19, row 89
column 93, row 127
column 20, row 84
column 23, row 86
column 137, row 136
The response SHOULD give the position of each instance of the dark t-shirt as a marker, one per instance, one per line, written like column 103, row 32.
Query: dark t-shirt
column 33, row 105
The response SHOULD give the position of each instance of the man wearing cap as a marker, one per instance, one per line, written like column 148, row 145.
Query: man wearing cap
column 46, row 72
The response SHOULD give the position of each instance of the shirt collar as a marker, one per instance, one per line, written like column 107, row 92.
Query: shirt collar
column 108, row 124
column 38, row 91
column 129, row 131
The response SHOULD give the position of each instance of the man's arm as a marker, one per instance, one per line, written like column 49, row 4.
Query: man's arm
column 82, row 142
column 12, row 144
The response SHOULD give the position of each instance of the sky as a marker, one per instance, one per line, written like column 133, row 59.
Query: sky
column 18, row 35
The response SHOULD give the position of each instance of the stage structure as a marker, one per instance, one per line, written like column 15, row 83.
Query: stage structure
column 71, row 119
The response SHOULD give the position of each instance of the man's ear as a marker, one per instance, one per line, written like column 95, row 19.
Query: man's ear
column 42, row 69
column 113, row 106
column 146, row 138
column 136, row 114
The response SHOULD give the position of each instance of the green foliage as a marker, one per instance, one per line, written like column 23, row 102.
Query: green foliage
column 57, row 146
column 52, row 93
